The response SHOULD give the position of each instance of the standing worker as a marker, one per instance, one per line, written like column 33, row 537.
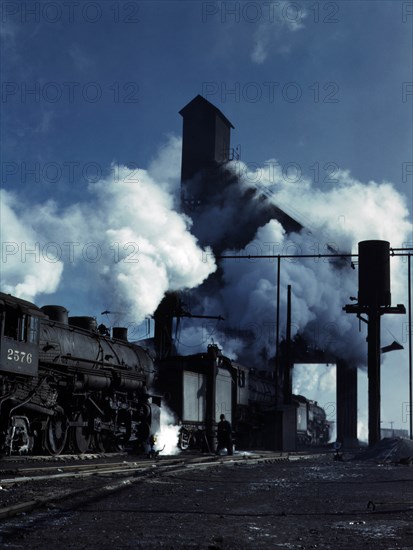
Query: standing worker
column 224, row 435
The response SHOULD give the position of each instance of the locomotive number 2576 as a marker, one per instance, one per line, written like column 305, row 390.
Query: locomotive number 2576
column 20, row 356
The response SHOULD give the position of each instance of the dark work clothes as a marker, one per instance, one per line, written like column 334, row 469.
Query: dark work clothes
column 224, row 436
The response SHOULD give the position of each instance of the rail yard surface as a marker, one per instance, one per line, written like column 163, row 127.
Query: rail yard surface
column 256, row 501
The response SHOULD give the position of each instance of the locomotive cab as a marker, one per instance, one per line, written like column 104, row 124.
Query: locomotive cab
column 19, row 331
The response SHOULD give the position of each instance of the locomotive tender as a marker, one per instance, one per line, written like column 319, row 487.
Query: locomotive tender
column 63, row 384
column 198, row 389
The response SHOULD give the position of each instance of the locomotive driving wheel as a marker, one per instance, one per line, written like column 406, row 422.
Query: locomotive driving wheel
column 55, row 434
column 81, row 435
column 102, row 442
column 101, row 437
column 123, row 430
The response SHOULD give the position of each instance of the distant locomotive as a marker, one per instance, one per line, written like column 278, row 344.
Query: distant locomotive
column 313, row 428
column 63, row 384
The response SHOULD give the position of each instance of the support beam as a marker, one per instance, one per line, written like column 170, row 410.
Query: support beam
column 346, row 399
column 288, row 365
column 373, row 373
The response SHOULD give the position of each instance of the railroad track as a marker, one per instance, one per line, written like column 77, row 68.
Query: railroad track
column 122, row 474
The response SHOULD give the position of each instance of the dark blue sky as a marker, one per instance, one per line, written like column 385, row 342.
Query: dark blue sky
column 304, row 82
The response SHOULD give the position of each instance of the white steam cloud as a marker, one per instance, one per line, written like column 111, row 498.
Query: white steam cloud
column 334, row 221
column 270, row 37
column 124, row 246
column 25, row 272
column 168, row 436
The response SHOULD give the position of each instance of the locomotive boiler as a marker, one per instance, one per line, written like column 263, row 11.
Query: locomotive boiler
column 66, row 385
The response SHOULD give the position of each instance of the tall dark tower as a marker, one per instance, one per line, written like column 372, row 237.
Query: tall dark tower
column 205, row 148
column 208, row 184
column 374, row 300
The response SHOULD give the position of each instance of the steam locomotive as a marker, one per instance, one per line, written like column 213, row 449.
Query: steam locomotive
column 66, row 384
column 313, row 427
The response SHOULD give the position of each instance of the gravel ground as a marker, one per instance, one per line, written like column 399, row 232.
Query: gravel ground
column 297, row 504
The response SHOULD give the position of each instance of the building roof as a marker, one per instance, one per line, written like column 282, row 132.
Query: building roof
column 200, row 103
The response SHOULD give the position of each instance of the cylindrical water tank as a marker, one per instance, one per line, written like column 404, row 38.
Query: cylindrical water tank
column 374, row 273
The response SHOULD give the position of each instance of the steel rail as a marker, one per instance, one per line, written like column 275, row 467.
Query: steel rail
column 125, row 467
column 139, row 474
